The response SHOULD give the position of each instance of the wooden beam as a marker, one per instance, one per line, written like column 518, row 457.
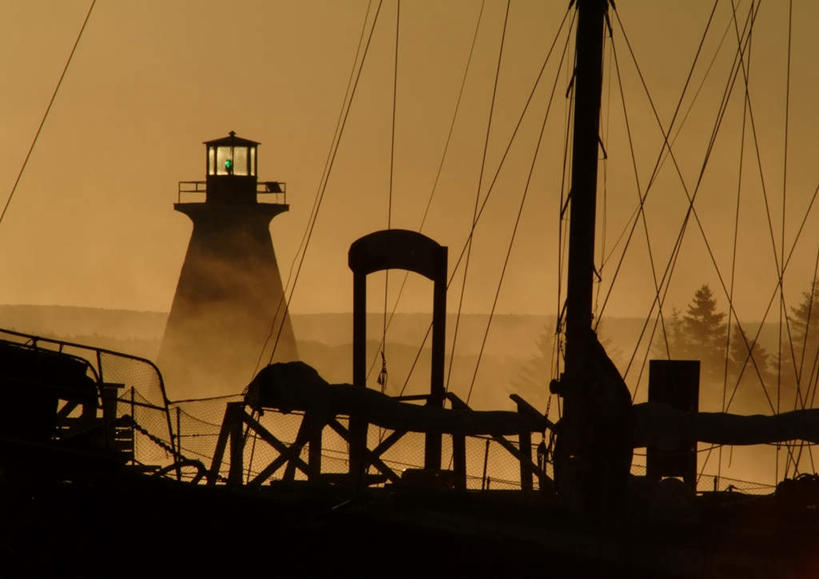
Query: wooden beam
column 271, row 440
column 221, row 442
column 237, row 450
column 368, row 457
column 267, row 471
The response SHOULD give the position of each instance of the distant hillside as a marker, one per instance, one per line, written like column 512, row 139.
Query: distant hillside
column 511, row 360
column 511, row 334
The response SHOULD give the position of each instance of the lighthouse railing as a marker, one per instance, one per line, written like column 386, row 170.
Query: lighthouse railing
column 272, row 192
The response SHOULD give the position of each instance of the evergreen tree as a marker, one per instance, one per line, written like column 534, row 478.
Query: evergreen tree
column 678, row 346
column 704, row 331
column 805, row 326
column 533, row 380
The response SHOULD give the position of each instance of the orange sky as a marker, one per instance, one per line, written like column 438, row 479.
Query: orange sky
column 92, row 222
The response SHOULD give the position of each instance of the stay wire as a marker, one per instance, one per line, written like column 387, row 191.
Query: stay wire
column 691, row 210
column 604, row 138
column 678, row 129
column 477, row 195
column 782, row 231
column 812, row 299
column 749, row 346
column 713, row 260
column 735, row 243
column 47, row 111
column 665, row 145
column 514, row 231
column 491, row 188
column 779, row 263
column 641, row 201
column 562, row 238
column 437, row 173
column 323, row 185
column 382, row 376
column 352, row 82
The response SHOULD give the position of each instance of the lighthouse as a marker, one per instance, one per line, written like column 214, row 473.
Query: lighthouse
column 229, row 309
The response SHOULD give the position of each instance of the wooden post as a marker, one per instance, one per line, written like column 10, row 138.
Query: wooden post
column 484, row 480
column 237, row 444
column 525, row 447
column 178, row 440
column 358, row 424
column 459, row 460
column 133, row 421
column 314, row 451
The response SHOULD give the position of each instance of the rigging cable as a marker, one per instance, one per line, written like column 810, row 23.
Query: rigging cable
column 811, row 299
column 750, row 345
column 604, row 138
column 382, row 375
column 495, row 177
column 691, row 209
column 562, row 239
column 517, row 223
column 666, row 144
column 48, row 110
column 322, row 188
column 438, row 172
column 779, row 263
column 782, row 311
column 316, row 202
column 641, row 200
column 478, row 194
column 734, row 245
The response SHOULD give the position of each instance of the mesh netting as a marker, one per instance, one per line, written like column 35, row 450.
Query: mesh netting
column 139, row 391
column 198, row 424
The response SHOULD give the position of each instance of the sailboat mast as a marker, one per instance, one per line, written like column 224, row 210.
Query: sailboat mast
column 588, row 83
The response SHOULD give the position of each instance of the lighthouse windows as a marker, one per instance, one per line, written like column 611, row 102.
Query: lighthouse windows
column 232, row 156
column 211, row 161
column 224, row 160
column 240, row 161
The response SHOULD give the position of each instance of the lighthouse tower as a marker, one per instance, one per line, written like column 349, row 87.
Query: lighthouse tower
column 229, row 298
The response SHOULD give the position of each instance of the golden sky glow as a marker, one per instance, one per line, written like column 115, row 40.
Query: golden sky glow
column 92, row 222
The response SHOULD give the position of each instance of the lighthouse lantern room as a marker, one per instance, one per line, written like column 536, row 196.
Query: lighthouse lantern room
column 231, row 174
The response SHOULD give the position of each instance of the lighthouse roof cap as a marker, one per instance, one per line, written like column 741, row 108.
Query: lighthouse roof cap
column 232, row 140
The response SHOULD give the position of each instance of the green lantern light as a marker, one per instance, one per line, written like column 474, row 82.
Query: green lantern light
column 229, row 165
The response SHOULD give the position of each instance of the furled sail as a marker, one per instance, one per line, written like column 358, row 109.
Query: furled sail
column 663, row 427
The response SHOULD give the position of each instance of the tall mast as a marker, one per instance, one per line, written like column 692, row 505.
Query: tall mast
column 588, row 83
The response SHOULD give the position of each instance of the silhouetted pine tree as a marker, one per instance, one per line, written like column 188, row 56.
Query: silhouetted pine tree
column 805, row 327
column 533, row 380
column 677, row 347
column 705, row 333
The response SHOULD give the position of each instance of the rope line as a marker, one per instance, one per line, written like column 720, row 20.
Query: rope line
column 477, row 195
column 437, row 174
column 511, row 141
column 382, row 376
column 641, row 199
column 734, row 245
column 48, row 110
column 323, row 184
column 316, row 198
column 515, row 229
